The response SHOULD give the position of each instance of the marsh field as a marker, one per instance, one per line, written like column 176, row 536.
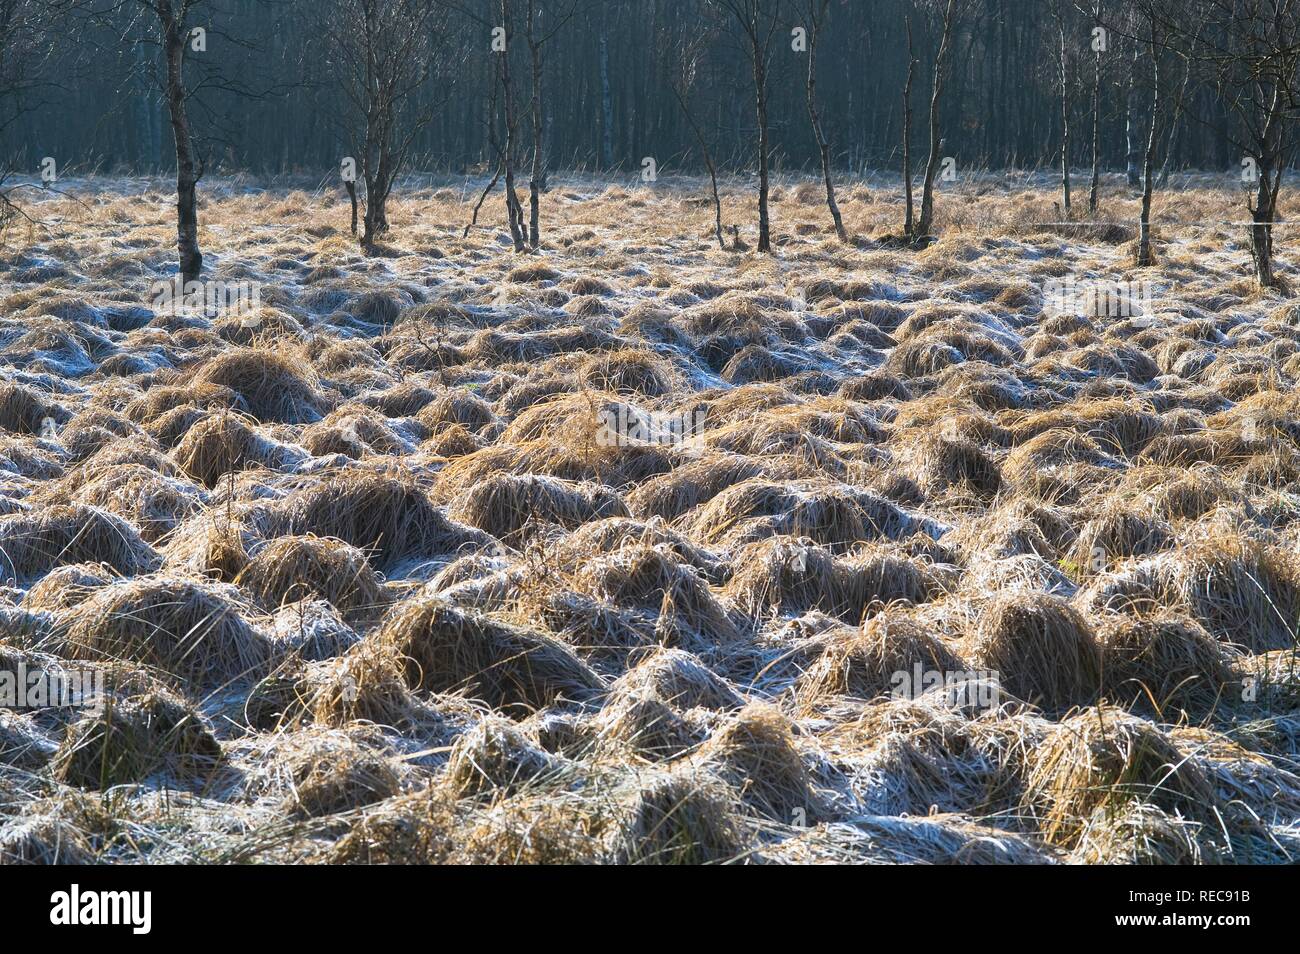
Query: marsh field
column 639, row 550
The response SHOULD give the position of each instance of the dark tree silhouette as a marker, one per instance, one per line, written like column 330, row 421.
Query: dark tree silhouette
column 1094, row 184
column 1063, row 66
column 1000, row 108
column 691, row 45
column 1250, row 50
column 540, row 27
column 22, row 52
column 514, row 212
column 1144, row 255
column 947, row 26
column 182, row 30
column 758, row 21
column 909, row 214
column 814, row 17
column 385, row 55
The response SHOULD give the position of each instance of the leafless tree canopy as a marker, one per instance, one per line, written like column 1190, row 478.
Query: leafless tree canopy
column 724, row 86
column 1003, row 109
column 391, row 60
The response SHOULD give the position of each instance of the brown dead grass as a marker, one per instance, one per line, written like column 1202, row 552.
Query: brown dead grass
column 615, row 554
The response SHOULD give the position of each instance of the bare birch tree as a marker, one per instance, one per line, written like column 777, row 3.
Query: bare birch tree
column 386, row 55
column 814, row 12
column 947, row 26
column 182, row 30
column 540, row 27
column 758, row 21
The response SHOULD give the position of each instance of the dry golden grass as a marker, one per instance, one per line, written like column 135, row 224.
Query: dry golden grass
column 616, row 552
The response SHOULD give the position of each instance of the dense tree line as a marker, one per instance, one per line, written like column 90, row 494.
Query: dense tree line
column 387, row 86
column 610, row 73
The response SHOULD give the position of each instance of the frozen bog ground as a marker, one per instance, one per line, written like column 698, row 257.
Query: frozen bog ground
column 640, row 550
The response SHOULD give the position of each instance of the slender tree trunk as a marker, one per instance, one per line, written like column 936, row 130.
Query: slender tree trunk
column 1271, row 164
column 932, row 164
column 760, row 97
column 1094, row 186
column 387, row 164
column 606, row 106
column 513, row 210
column 370, row 220
column 1144, row 256
column 1065, row 119
column 496, row 177
column 351, row 186
column 375, row 148
column 1130, row 133
column 908, row 218
column 708, row 162
column 823, row 146
column 535, row 178
column 187, row 174
column 1009, row 155
column 717, row 200
column 378, row 173
column 1261, row 229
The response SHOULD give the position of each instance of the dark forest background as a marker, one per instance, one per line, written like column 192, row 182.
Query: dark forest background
column 266, row 96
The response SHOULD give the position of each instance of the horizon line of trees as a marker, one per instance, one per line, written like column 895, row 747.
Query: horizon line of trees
column 100, row 110
column 518, row 88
